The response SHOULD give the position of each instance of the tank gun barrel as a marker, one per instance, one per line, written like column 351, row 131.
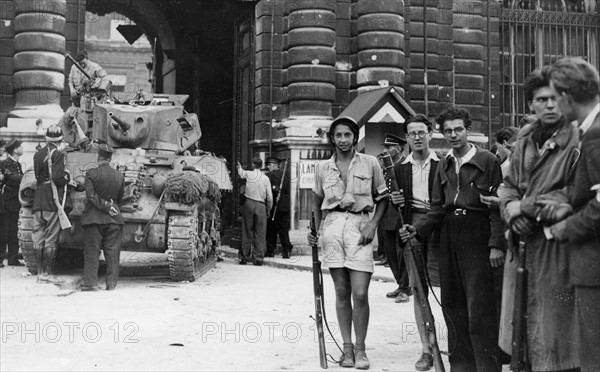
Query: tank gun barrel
column 122, row 123
column 76, row 64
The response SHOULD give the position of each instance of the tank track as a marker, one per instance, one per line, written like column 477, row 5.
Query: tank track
column 25, row 240
column 188, row 255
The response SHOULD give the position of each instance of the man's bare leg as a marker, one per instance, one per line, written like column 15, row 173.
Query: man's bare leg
column 360, row 316
column 343, row 307
column 425, row 362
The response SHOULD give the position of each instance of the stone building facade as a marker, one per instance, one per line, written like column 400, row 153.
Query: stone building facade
column 267, row 77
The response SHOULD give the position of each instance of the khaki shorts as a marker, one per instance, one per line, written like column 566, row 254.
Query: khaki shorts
column 341, row 233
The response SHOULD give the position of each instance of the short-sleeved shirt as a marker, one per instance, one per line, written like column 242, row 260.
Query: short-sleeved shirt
column 366, row 184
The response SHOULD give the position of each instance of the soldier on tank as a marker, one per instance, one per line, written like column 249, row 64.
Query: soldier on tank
column 78, row 82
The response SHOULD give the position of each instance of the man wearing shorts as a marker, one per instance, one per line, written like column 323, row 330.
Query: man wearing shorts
column 349, row 186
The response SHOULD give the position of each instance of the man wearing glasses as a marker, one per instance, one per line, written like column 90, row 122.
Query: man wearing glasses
column 415, row 177
column 471, row 244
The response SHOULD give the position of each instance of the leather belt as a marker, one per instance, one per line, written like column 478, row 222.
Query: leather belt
column 420, row 210
column 342, row 210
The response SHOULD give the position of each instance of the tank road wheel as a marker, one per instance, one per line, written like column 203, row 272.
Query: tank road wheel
column 25, row 240
column 187, row 256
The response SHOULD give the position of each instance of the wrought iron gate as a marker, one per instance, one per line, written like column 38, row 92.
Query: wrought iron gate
column 536, row 33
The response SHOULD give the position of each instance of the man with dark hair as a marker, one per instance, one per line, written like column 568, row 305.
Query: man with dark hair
column 546, row 147
column 11, row 170
column 471, row 244
column 259, row 200
column 575, row 84
column 278, row 224
column 78, row 82
column 388, row 228
column 49, row 168
column 102, row 221
column 415, row 176
column 349, row 186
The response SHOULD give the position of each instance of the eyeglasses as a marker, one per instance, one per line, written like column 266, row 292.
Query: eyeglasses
column 458, row 131
column 419, row 134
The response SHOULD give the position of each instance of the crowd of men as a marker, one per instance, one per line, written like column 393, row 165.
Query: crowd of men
column 536, row 197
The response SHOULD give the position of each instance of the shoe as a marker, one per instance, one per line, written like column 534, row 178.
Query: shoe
column 347, row 359
column 424, row 363
column 242, row 262
column 382, row 262
column 285, row 255
column 257, row 263
column 88, row 288
column 1, row 264
column 360, row 360
column 19, row 256
column 269, row 255
column 394, row 294
column 17, row 263
column 402, row 298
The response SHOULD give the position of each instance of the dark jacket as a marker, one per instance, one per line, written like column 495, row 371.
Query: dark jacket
column 103, row 184
column 284, row 201
column 451, row 192
column 10, row 185
column 404, row 178
column 43, row 200
column 583, row 226
column 391, row 218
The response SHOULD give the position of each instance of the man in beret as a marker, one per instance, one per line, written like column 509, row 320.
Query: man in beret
column 78, row 82
column 279, row 221
column 102, row 220
column 388, row 228
column 12, row 173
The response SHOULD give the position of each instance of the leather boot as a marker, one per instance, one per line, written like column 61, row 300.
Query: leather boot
column 49, row 258
column 39, row 264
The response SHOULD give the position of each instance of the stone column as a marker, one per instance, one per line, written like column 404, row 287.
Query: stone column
column 38, row 61
column 380, row 43
column 310, row 59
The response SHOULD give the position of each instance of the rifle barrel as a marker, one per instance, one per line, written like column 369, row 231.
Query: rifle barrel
column 76, row 64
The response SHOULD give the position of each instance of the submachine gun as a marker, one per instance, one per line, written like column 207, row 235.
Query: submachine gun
column 411, row 264
column 519, row 360
column 318, row 290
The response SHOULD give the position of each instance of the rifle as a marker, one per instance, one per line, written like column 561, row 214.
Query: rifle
column 280, row 190
column 519, row 360
column 318, row 290
column 411, row 264
column 62, row 216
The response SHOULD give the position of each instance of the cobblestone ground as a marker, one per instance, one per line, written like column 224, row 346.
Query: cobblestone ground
column 233, row 318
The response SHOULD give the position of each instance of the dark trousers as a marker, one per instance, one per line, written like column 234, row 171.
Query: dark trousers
column 108, row 238
column 280, row 226
column 9, row 223
column 254, row 230
column 587, row 304
column 467, row 288
column 395, row 257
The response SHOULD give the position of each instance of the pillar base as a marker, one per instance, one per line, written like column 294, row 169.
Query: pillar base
column 23, row 119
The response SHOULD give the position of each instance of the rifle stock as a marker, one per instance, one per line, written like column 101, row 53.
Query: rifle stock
column 318, row 291
column 519, row 359
column 428, row 319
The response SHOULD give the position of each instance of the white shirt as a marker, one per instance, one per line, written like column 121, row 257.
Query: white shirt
column 420, row 180
column 458, row 162
column 258, row 186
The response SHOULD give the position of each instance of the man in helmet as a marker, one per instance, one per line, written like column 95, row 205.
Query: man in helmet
column 349, row 186
column 46, row 225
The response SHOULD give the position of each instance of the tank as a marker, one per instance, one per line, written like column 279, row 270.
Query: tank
column 154, row 145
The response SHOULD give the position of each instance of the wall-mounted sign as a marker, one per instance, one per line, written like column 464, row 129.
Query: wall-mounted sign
column 306, row 172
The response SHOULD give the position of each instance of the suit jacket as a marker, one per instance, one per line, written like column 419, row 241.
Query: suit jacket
column 103, row 184
column 391, row 218
column 404, row 179
column 10, row 186
column 43, row 200
column 583, row 226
